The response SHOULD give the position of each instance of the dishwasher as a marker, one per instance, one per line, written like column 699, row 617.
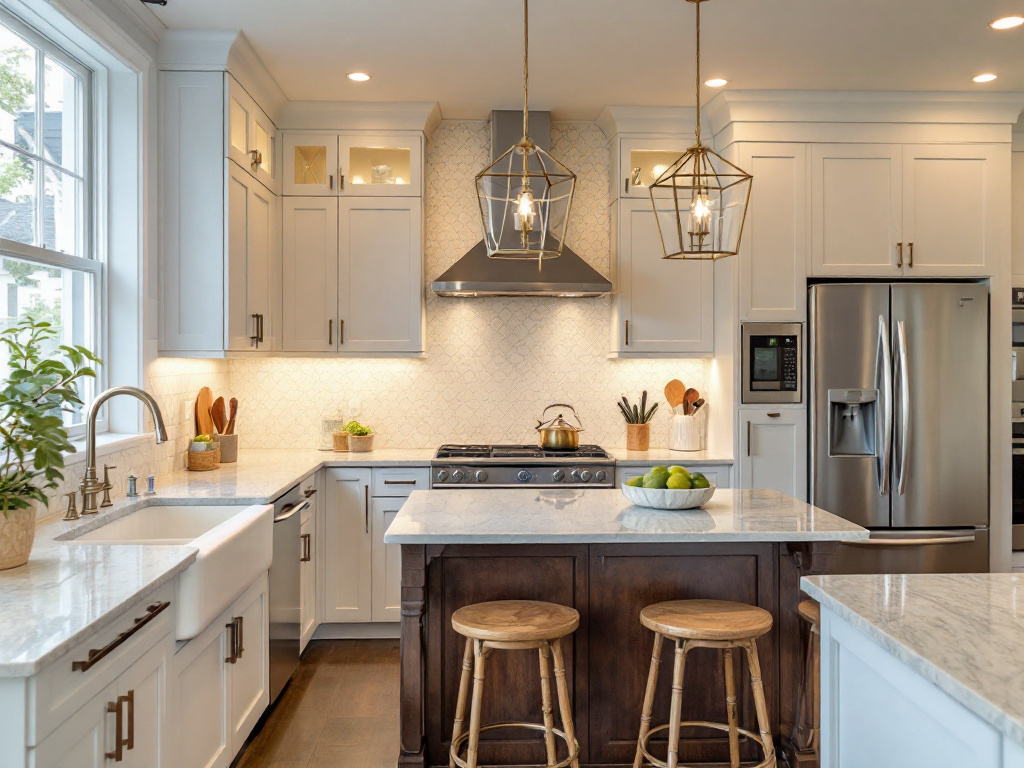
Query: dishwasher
column 285, row 605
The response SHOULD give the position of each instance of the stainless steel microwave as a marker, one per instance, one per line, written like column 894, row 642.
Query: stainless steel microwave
column 772, row 362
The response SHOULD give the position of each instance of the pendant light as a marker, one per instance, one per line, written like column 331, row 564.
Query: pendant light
column 700, row 201
column 525, row 195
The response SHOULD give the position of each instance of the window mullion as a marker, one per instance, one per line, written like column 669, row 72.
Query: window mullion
column 40, row 148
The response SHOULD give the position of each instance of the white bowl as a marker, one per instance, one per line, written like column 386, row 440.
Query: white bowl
column 668, row 498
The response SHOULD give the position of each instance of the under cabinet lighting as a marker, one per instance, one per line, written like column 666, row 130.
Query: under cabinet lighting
column 1007, row 22
column 715, row 82
column 359, row 77
column 988, row 77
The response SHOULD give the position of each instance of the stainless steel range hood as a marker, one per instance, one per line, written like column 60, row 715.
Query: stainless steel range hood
column 478, row 275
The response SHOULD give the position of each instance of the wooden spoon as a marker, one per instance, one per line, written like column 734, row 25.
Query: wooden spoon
column 675, row 392
column 234, row 412
column 219, row 415
column 204, row 422
column 691, row 397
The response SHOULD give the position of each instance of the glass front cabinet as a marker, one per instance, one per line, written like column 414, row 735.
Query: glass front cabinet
column 357, row 165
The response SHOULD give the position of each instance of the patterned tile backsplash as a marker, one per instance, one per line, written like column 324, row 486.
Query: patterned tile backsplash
column 492, row 365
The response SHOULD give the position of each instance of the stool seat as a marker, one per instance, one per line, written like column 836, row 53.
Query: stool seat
column 706, row 620
column 810, row 611
column 515, row 621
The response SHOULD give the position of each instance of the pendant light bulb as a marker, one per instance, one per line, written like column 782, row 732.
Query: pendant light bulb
column 700, row 217
column 526, row 210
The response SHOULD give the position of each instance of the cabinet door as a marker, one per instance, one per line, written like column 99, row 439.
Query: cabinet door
column 311, row 164
column 81, row 741
column 307, row 579
column 201, row 710
column 856, row 209
column 310, row 266
column 250, row 236
column 773, row 254
column 952, row 209
column 642, row 161
column 774, row 450
column 347, row 545
column 241, row 113
column 386, row 166
column 1017, row 217
column 250, row 694
column 263, row 139
column 664, row 305
column 145, row 682
column 386, row 559
column 380, row 274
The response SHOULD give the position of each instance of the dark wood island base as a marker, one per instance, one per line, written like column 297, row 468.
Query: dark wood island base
column 608, row 656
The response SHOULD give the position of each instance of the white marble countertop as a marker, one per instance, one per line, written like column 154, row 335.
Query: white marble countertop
column 568, row 516
column 665, row 456
column 963, row 632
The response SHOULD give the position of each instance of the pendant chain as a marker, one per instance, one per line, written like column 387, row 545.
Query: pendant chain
column 698, row 70
column 526, row 70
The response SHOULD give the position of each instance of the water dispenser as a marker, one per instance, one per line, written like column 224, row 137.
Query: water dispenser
column 852, row 425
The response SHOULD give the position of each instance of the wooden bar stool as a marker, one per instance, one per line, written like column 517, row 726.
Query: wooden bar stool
column 514, row 625
column 705, row 624
column 806, row 731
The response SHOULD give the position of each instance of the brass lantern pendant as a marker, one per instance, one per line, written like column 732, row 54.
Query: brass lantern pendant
column 700, row 201
column 525, row 195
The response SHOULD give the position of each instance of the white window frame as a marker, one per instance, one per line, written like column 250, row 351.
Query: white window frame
column 93, row 258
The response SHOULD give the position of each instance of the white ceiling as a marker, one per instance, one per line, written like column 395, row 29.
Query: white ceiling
column 584, row 54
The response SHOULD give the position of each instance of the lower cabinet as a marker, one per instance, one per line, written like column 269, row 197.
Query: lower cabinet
column 386, row 562
column 719, row 475
column 221, row 685
column 773, row 450
column 307, row 579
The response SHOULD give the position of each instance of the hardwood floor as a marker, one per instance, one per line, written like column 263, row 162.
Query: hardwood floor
column 340, row 710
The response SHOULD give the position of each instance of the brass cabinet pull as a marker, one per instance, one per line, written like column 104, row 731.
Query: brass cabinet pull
column 96, row 654
column 899, row 255
column 232, row 627
column 774, row 415
column 330, row 181
column 261, row 328
column 305, row 548
column 240, row 635
column 627, row 333
column 257, row 158
column 366, row 502
column 120, row 741
column 910, row 262
column 748, row 438
column 399, row 482
column 341, row 181
column 309, row 492
column 330, row 332
column 341, row 331
column 255, row 338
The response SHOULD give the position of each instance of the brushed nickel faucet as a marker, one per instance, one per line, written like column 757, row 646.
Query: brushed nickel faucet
column 91, row 485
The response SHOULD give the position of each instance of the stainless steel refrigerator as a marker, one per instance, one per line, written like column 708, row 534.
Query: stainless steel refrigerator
column 899, row 427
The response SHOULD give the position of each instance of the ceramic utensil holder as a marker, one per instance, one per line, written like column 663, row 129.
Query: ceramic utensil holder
column 228, row 448
column 340, row 441
column 638, row 437
column 688, row 433
column 360, row 443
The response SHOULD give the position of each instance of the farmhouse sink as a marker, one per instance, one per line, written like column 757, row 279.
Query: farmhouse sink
column 235, row 546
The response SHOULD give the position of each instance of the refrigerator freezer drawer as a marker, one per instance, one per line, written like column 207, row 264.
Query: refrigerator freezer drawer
column 917, row 551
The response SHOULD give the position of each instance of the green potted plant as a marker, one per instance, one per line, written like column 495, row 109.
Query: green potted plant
column 42, row 381
column 360, row 438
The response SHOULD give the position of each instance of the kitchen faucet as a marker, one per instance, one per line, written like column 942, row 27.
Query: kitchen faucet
column 91, row 485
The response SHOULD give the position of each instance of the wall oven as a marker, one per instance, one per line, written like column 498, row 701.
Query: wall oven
column 772, row 362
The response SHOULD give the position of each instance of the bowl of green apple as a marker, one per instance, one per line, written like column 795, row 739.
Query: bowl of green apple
column 669, row 488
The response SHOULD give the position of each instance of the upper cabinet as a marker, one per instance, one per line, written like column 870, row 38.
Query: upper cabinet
column 642, row 160
column 916, row 210
column 353, row 164
column 252, row 141
column 1017, row 201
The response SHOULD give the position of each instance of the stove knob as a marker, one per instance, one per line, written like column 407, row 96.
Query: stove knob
column 458, row 476
column 480, row 476
column 558, row 475
column 524, row 476
column 600, row 475
column 585, row 475
column 575, row 475
column 442, row 475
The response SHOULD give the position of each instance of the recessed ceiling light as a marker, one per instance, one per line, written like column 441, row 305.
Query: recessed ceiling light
column 1007, row 22
column 988, row 77
column 359, row 77
column 715, row 82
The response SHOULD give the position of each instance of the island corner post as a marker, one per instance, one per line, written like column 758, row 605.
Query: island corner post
column 608, row 657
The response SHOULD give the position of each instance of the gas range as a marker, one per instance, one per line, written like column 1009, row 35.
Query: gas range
column 515, row 466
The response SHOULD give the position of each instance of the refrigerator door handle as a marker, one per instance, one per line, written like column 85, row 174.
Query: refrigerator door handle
column 883, row 419
column 901, row 350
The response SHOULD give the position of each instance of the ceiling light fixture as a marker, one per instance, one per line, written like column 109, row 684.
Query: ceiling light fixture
column 716, row 82
column 525, row 195
column 988, row 77
column 358, row 77
column 700, row 201
column 1007, row 22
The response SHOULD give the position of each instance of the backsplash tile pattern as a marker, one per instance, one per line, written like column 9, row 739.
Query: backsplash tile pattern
column 492, row 364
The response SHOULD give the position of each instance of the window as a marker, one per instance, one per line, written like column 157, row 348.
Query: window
column 49, row 267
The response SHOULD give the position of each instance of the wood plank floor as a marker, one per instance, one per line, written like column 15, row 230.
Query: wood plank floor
column 340, row 710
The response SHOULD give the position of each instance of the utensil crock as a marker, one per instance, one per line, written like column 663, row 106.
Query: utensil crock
column 638, row 437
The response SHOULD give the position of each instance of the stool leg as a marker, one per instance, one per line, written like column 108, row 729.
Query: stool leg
column 563, row 701
column 645, row 713
column 478, row 695
column 763, row 725
column 731, row 709
column 815, row 654
column 545, row 697
column 676, row 711
column 460, row 707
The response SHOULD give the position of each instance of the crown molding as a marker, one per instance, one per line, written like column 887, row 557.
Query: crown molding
column 652, row 121
column 421, row 116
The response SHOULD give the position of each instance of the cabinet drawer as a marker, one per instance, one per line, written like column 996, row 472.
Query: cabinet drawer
column 400, row 481
column 58, row 690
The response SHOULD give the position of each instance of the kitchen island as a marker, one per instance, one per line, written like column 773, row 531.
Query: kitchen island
column 593, row 550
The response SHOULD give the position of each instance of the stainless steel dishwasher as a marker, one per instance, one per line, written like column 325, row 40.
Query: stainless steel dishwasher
column 285, row 598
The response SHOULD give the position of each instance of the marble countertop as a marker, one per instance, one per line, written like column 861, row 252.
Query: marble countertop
column 568, row 516
column 962, row 632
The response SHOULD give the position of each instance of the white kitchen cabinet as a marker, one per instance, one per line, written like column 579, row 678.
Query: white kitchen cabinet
column 1017, row 217
column 661, row 306
column 252, row 213
column 250, row 693
column 347, row 545
column 251, row 135
column 81, row 741
column 310, row 270
column 773, row 452
column 309, row 562
column 719, row 475
column 776, row 238
column 353, row 163
column 310, row 164
column 386, row 562
column 640, row 161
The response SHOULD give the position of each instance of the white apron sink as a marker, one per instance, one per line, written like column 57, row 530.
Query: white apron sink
column 235, row 546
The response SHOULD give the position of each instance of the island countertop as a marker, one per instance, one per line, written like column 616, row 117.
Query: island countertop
column 591, row 516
